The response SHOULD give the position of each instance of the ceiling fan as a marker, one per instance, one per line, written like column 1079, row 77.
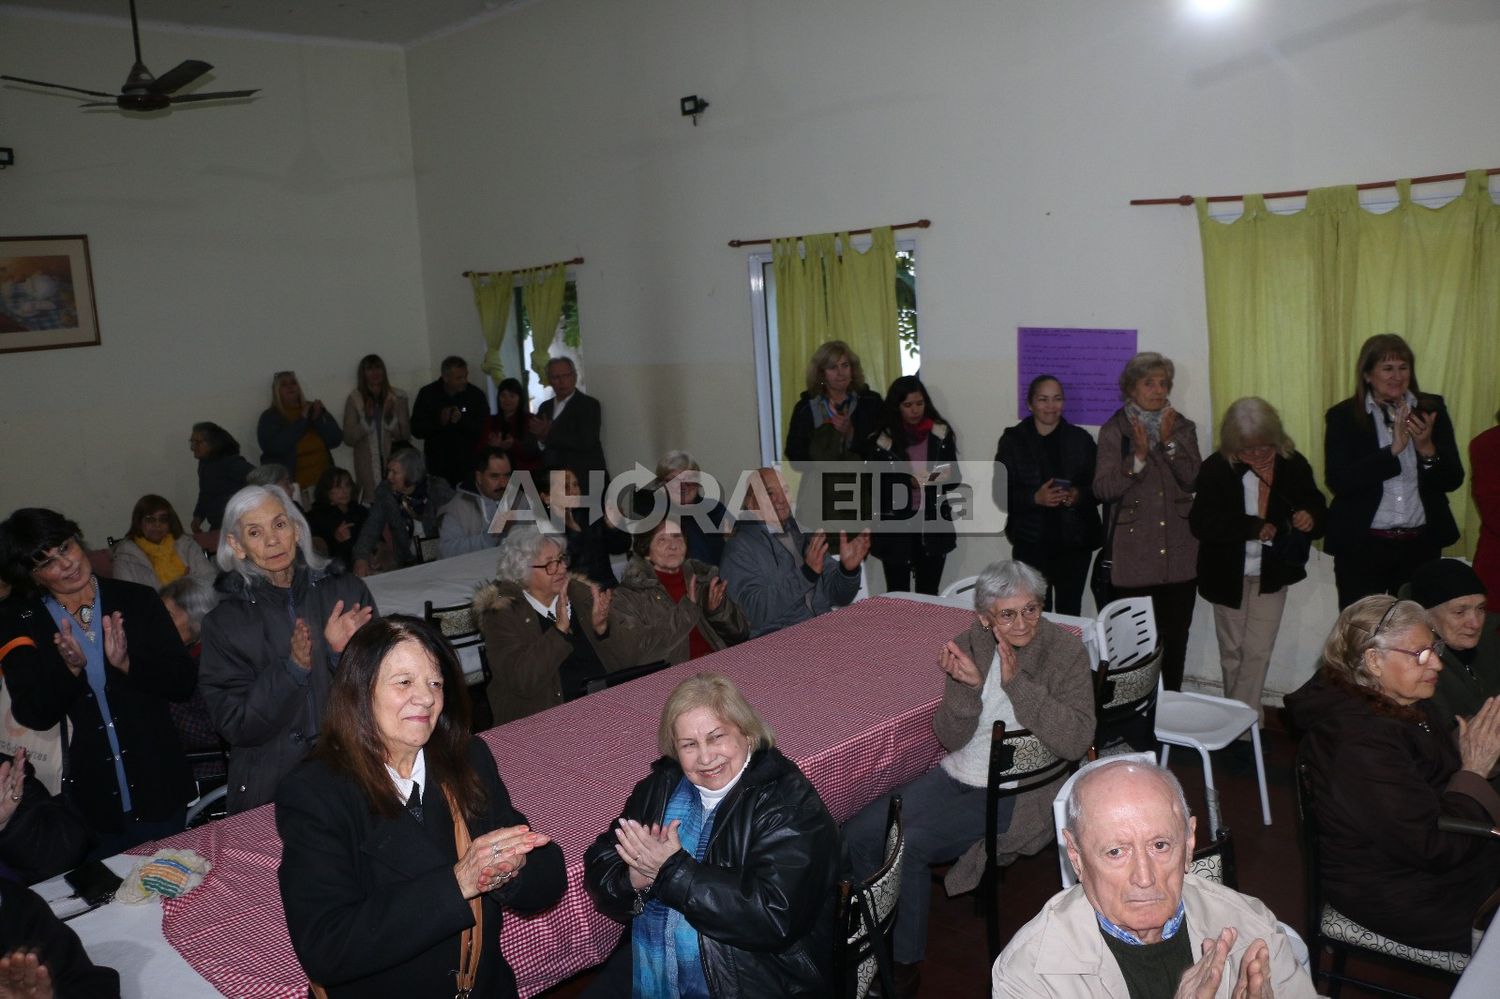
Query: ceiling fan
column 142, row 91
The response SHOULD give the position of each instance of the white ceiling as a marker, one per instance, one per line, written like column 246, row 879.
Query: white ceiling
column 392, row 22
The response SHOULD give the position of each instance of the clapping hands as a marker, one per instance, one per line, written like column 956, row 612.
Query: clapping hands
column 645, row 848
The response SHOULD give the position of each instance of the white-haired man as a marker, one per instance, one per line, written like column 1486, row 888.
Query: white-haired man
column 1138, row 925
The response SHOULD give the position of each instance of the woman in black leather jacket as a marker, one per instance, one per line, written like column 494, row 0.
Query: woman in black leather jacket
column 1052, row 519
column 723, row 859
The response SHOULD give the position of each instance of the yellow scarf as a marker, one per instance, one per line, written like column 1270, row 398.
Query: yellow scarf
column 311, row 456
column 165, row 562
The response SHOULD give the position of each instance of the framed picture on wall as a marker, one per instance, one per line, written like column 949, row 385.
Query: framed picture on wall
column 46, row 293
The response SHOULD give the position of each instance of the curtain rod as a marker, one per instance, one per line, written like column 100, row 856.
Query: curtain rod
column 1187, row 199
column 919, row 224
column 565, row 263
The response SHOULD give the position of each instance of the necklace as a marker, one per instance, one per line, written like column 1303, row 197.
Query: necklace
column 85, row 613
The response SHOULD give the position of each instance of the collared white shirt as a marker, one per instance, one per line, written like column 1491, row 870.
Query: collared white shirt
column 1400, row 504
column 1252, row 509
column 546, row 610
column 558, row 405
column 418, row 774
column 971, row 764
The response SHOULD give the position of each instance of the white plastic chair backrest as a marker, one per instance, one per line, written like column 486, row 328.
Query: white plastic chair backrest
column 960, row 587
column 1126, row 631
column 1059, row 811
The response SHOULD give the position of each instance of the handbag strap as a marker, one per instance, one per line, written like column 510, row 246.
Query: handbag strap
column 471, row 941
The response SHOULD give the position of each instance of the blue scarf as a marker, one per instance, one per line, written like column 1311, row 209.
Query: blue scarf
column 665, row 950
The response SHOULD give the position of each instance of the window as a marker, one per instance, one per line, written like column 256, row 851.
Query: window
column 767, row 357
column 515, row 352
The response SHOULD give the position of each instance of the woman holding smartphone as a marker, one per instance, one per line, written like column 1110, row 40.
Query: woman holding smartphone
column 918, row 453
column 1052, row 521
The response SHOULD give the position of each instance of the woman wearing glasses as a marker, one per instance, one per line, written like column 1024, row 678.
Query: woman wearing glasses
column 1384, row 771
column 156, row 550
column 1010, row 665
column 546, row 632
column 1255, row 514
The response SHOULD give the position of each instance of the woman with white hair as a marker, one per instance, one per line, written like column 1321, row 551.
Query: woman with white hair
column 408, row 502
column 1255, row 514
column 547, row 633
column 704, row 530
column 1011, row 665
column 270, row 648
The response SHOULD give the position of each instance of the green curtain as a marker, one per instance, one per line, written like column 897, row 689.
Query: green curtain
column 1292, row 297
column 542, row 291
column 826, row 290
column 492, row 294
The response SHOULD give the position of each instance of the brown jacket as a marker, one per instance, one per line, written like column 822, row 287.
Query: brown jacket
column 1053, row 696
column 1153, row 543
column 657, row 629
column 524, row 657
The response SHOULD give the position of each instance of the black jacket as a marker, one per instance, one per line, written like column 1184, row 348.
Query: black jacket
column 372, row 904
column 574, row 438
column 44, row 692
column 1382, row 775
column 800, row 428
column 1355, row 467
column 1222, row 527
column 1026, row 467
column 932, row 525
column 763, row 898
column 44, row 836
column 264, row 705
column 449, row 447
column 27, row 923
column 219, row 479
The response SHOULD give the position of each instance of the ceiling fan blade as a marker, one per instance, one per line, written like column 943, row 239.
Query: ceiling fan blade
column 59, row 86
column 221, row 96
column 179, row 76
column 100, row 104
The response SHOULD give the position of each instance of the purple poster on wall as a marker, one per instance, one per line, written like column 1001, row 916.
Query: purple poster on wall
column 1087, row 362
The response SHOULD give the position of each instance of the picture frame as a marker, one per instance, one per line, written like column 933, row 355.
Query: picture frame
column 46, row 293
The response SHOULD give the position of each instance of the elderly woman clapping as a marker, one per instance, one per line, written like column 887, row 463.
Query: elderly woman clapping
column 675, row 607
column 1010, row 665
column 400, row 844
column 1384, row 771
column 547, row 633
column 723, row 859
column 408, row 502
column 270, row 648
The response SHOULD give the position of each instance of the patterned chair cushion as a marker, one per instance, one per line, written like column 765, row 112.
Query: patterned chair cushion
column 456, row 622
column 884, row 892
column 1210, row 868
column 1336, row 926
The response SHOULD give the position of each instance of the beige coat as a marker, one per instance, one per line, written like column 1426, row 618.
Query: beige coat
column 368, row 472
column 525, row 658
column 1153, row 542
column 1061, row 954
column 660, row 629
column 1053, row 696
column 134, row 566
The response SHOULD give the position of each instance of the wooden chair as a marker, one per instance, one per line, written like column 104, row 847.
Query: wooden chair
column 427, row 550
column 1019, row 762
column 1327, row 928
column 866, row 913
column 461, row 628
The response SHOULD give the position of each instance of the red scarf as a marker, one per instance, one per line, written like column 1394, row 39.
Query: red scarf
column 675, row 584
column 916, row 433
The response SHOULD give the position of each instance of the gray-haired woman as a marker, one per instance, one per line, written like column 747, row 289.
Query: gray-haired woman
column 1012, row 665
column 547, row 632
column 1147, row 465
column 408, row 502
column 1256, row 511
column 270, row 648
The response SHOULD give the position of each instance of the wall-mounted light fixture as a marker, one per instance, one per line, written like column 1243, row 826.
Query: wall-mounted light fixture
column 7, row 157
column 692, row 107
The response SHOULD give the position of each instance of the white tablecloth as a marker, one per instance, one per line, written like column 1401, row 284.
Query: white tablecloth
column 1480, row 977
column 445, row 582
column 128, row 938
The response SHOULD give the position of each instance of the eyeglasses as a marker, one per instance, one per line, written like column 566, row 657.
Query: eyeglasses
column 49, row 558
column 157, row 518
column 1423, row 656
column 553, row 565
column 1008, row 618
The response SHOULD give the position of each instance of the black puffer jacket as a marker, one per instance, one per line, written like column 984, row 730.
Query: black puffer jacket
column 932, row 525
column 1026, row 467
column 762, row 899
column 265, row 705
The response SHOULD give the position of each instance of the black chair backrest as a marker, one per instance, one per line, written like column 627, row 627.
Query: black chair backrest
column 1308, row 823
column 1125, row 702
column 866, row 913
column 620, row 676
column 1215, row 861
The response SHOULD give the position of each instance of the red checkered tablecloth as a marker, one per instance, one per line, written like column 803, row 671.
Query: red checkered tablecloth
column 850, row 696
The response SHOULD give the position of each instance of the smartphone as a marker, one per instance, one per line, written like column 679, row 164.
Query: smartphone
column 94, row 882
column 1061, row 484
column 938, row 472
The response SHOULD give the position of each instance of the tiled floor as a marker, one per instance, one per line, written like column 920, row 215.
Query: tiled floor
column 1269, row 862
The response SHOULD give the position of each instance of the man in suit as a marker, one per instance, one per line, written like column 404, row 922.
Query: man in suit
column 568, row 425
column 449, row 415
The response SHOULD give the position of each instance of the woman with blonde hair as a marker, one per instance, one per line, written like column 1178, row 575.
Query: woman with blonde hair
column 377, row 419
column 837, row 413
column 1255, row 514
column 296, row 433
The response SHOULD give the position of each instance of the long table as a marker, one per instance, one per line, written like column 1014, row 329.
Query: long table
column 850, row 695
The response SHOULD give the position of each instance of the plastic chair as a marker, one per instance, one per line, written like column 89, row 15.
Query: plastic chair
column 1128, row 676
column 961, row 587
column 1205, row 722
column 1019, row 762
column 1328, row 928
column 1060, row 817
column 866, row 913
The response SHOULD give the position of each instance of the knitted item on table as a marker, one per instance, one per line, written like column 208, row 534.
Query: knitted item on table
column 169, row 873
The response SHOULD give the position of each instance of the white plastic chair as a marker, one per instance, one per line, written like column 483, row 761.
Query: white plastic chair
column 1205, row 722
column 960, row 587
column 1060, row 817
column 1126, row 631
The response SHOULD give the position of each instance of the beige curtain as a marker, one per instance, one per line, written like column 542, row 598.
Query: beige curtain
column 542, row 291
column 827, row 290
column 492, row 294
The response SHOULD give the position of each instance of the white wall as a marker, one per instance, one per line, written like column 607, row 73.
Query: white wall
column 1022, row 129
column 228, row 242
